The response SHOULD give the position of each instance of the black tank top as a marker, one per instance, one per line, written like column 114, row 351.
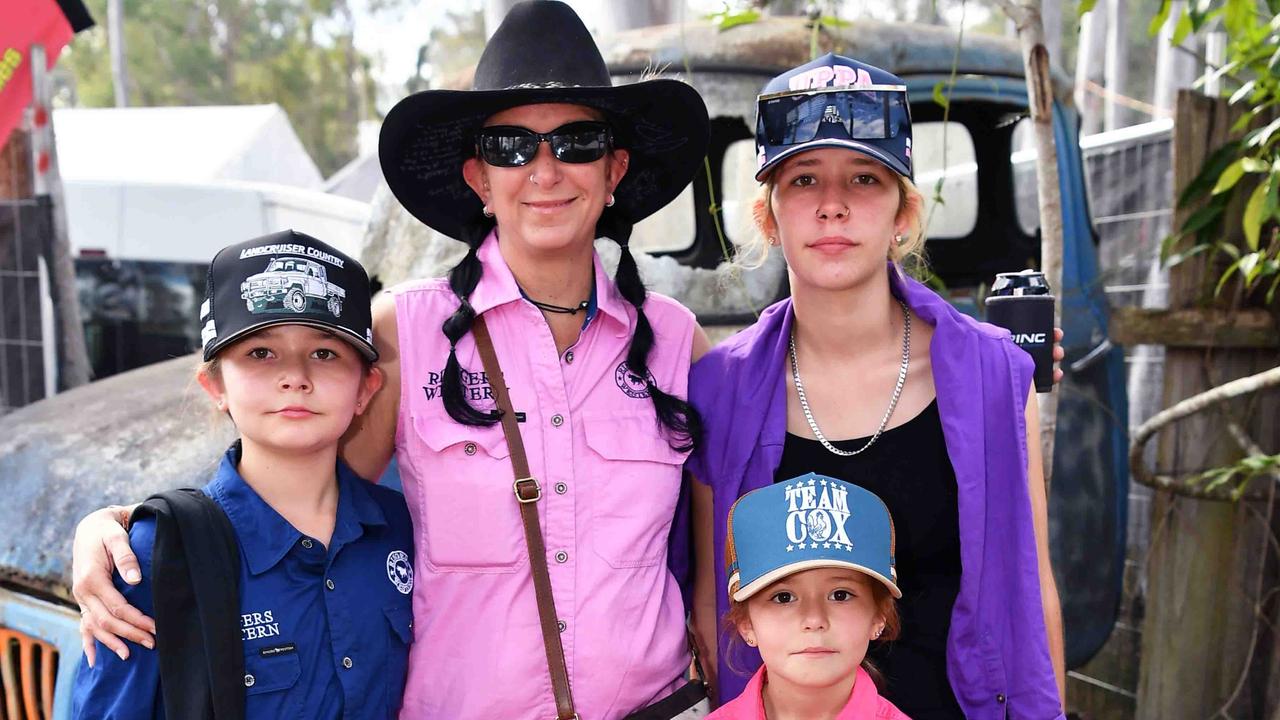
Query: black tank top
column 909, row 469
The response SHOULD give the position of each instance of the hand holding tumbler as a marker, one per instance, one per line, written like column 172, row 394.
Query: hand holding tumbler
column 1022, row 303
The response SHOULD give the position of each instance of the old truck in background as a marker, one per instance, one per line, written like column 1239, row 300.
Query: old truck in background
column 122, row 438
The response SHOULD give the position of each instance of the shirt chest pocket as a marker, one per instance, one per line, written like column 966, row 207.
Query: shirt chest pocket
column 635, row 484
column 472, row 517
column 268, row 682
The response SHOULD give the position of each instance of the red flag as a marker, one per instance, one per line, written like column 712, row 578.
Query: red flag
column 24, row 23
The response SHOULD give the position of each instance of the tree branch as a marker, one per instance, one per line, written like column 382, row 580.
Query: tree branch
column 1190, row 406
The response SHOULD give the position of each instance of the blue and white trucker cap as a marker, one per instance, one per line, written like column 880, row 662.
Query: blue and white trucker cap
column 812, row 521
column 838, row 102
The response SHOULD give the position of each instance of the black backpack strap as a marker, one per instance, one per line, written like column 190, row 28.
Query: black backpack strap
column 195, row 580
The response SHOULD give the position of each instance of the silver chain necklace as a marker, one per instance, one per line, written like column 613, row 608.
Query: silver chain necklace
column 893, row 402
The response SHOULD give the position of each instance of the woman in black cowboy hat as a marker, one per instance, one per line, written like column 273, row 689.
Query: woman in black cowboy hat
column 528, row 168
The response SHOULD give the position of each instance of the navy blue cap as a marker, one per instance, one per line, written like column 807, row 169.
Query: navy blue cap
column 828, row 74
column 807, row 522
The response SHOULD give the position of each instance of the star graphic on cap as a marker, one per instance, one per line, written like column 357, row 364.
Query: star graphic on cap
column 811, row 481
column 826, row 546
column 822, row 483
column 789, row 548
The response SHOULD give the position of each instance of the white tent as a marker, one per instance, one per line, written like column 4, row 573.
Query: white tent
column 175, row 184
column 183, row 144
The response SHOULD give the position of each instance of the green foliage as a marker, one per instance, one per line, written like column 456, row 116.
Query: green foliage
column 1239, row 475
column 1247, row 169
column 297, row 53
column 730, row 17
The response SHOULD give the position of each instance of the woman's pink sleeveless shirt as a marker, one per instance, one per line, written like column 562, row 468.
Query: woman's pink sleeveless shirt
column 609, row 488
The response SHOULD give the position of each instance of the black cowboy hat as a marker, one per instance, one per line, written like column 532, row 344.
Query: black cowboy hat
column 541, row 53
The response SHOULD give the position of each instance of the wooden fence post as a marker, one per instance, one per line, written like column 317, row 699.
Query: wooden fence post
column 1210, row 565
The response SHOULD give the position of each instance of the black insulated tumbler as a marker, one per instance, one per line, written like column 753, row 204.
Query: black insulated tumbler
column 1021, row 302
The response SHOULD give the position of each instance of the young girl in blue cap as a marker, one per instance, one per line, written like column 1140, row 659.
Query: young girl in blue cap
column 812, row 584
column 282, row 589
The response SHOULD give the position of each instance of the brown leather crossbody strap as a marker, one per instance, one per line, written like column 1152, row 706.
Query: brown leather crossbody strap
column 528, row 492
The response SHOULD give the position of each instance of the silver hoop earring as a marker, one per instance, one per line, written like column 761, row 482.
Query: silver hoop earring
column 610, row 201
column 487, row 212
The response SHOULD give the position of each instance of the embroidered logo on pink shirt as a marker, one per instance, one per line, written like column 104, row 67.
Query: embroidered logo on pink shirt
column 631, row 383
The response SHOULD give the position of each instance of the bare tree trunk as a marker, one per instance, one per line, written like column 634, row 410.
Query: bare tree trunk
column 115, row 45
column 1051, row 14
column 1175, row 66
column 229, row 14
column 351, row 114
column 1215, row 54
column 1089, row 72
column 1117, row 62
column 1035, row 58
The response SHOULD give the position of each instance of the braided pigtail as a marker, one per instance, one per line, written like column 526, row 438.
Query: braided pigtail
column 463, row 279
column 678, row 417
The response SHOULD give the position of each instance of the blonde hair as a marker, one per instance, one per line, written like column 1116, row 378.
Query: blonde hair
column 908, row 254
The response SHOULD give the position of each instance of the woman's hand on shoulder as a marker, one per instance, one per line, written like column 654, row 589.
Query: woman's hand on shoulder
column 369, row 442
column 101, row 546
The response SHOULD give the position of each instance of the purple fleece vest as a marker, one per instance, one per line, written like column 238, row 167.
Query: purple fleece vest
column 997, row 650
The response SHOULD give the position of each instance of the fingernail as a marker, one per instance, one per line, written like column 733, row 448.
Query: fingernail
column 132, row 576
column 148, row 645
column 124, row 654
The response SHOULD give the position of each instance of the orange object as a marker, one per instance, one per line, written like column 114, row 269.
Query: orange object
column 28, row 668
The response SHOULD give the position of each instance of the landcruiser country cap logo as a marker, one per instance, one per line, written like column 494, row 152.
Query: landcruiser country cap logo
column 291, row 284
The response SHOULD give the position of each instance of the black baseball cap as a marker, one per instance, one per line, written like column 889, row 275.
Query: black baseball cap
column 285, row 278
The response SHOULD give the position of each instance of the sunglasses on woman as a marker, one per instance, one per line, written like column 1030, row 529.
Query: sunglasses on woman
column 576, row 142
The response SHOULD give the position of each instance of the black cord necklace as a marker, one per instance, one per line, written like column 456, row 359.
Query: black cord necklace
column 560, row 308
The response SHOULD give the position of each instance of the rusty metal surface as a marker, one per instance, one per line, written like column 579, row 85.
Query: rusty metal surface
column 113, row 441
column 772, row 45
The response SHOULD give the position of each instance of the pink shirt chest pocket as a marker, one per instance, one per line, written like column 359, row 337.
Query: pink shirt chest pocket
column 471, row 516
column 634, row 486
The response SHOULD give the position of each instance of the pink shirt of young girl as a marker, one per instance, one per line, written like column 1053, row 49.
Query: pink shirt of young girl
column 864, row 704
column 609, row 488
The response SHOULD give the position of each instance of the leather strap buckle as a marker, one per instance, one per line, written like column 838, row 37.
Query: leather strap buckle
column 527, row 490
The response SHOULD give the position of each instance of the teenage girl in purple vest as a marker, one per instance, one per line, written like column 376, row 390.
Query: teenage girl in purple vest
column 865, row 375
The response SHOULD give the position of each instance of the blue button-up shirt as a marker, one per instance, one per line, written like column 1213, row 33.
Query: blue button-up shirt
column 326, row 631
